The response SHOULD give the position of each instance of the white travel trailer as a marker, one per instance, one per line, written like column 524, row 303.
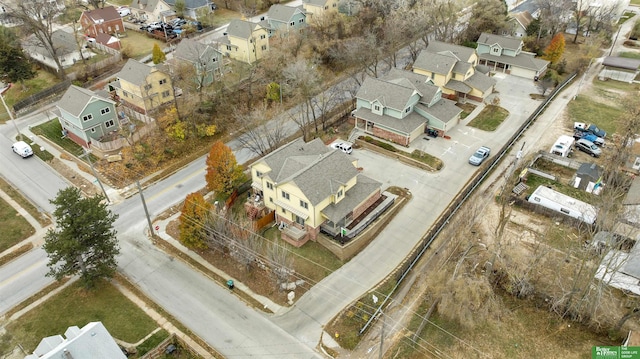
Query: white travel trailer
column 563, row 146
column 564, row 204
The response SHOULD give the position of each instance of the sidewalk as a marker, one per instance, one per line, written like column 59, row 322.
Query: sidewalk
column 161, row 227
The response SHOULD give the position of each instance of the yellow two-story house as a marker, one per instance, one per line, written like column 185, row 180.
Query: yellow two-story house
column 141, row 87
column 311, row 186
column 455, row 70
column 245, row 41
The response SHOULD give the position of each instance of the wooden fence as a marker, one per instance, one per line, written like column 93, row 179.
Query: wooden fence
column 264, row 221
column 117, row 144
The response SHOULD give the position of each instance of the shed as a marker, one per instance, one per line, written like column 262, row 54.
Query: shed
column 561, row 203
column 619, row 69
column 589, row 178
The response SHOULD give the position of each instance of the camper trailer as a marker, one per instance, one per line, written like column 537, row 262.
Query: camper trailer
column 569, row 206
column 563, row 146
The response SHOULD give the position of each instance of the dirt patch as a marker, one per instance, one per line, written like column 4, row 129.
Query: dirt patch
column 72, row 176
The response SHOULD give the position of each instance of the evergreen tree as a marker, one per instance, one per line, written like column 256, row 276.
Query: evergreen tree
column 83, row 240
column 14, row 64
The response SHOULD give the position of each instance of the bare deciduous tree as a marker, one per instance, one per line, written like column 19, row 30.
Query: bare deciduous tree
column 259, row 133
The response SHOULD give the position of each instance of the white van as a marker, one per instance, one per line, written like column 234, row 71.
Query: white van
column 343, row 146
column 22, row 148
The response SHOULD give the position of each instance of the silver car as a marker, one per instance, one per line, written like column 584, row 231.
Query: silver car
column 588, row 147
column 479, row 156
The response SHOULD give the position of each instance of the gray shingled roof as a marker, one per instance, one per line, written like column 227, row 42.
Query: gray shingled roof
column 281, row 13
column 134, row 72
column 75, row 99
column 297, row 148
column 64, row 42
column 633, row 195
column 191, row 50
column 315, row 2
column 240, row 28
column 461, row 67
column 523, row 60
column 458, row 86
column 405, row 125
column 480, row 81
column 531, row 6
column 189, row 4
column 462, row 52
column 357, row 194
column 420, row 82
column 322, row 177
column 444, row 110
column 388, row 94
column 105, row 14
column 524, row 18
column 436, row 63
column 504, row 42
column 621, row 62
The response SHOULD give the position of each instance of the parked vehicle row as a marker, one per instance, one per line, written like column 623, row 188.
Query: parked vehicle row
column 171, row 27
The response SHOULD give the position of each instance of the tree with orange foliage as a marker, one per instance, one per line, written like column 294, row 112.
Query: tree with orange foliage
column 555, row 50
column 195, row 213
column 223, row 171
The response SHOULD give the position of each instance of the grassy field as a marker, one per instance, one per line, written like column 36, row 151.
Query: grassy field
column 78, row 306
column 224, row 16
column 18, row 91
column 138, row 45
column 489, row 118
column 585, row 109
column 24, row 203
column 510, row 337
column 14, row 227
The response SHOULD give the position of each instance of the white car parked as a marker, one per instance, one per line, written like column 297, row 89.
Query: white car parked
column 343, row 146
column 22, row 148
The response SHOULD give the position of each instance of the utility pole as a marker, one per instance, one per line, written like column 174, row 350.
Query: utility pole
column 382, row 336
column 87, row 154
column 144, row 205
column 11, row 117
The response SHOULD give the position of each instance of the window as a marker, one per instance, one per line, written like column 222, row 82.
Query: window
column 93, row 130
column 109, row 123
column 165, row 93
column 495, row 50
column 88, row 117
column 376, row 108
column 125, row 94
column 284, row 210
column 264, row 47
column 334, row 4
column 407, row 110
column 262, row 37
column 300, row 221
column 258, row 174
column 105, row 110
column 292, row 23
column 270, row 185
column 564, row 210
column 339, row 194
column 214, row 60
column 301, row 21
column 285, row 195
column 326, row 8
column 251, row 41
column 163, row 81
column 147, row 87
column 229, row 47
column 304, row 204
column 271, row 199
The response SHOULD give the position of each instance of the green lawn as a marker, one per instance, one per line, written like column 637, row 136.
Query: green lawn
column 14, row 227
column 626, row 16
column 584, row 109
column 635, row 2
column 224, row 16
column 77, row 306
column 312, row 260
column 18, row 91
column 138, row 45
column 629, row 55
column 53, row 131
column 489, row 118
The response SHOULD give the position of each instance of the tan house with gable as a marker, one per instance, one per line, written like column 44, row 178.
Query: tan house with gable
column 311, row 186
column 455, row 70
column 141, row 87
column 245, row 41
column 319, row 7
